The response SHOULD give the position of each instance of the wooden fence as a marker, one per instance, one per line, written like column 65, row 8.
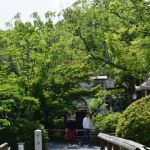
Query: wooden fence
column 115, row 143
column 4, row 146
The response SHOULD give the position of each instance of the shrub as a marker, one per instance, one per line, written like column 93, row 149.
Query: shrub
column 4, row 123
column 134, row 124
column 22, row 130
column 106, row 123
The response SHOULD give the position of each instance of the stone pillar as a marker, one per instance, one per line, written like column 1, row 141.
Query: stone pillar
column 38, row 139
column 20, row 146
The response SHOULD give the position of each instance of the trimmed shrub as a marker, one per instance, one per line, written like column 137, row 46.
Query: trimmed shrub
column 106, row 123
column 22, row 130
column 134, row 124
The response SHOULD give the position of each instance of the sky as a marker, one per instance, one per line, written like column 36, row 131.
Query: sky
column 9, row 8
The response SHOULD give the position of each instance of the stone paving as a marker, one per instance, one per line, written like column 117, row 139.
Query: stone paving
column 60, row 146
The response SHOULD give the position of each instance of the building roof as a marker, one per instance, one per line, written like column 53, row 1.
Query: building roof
column 144, row 86
column 99, row 77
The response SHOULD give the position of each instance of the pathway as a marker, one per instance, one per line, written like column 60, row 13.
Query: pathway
column 60, row 146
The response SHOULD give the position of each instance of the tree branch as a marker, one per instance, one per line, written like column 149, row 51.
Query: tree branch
column 13, row 67
column 98, row 58
column 118, row 15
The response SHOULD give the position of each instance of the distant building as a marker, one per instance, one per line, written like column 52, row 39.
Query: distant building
column 82, row 105
column 99, row 80
column 144, row 88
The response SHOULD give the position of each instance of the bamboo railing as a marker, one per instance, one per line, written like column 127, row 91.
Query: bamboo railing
column 114, row 143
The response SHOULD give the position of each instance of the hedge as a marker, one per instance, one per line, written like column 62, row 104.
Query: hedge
column 134, row 124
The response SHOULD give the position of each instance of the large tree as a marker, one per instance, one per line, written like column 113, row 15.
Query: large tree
column 115, row 34
column 46, row 64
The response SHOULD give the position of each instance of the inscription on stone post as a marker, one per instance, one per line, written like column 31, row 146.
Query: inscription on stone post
column 38, row 139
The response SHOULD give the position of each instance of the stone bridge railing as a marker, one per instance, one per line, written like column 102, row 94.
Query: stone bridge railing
column 112, row 142
column 4, row 146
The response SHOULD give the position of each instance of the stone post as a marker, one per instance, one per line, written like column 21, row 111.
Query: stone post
column 20, row 146
column 38, row 139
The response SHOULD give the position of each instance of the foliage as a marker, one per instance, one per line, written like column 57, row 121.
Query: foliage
column 134, row 123
column 106, row 123
column 98, row 103
column 22, row 130
column 13, row 101
column 44, row 67
column 115, row 35
column 4, row 123
column 43, row 64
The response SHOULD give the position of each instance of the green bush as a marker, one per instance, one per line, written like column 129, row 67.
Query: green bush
column 134, row 124
column 106, row 123
column 22, row 130
column 4, row 123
